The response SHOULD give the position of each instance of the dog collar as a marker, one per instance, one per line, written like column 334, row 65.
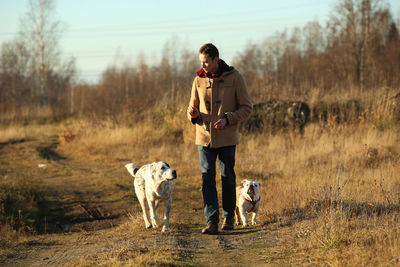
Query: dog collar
column 253, row 202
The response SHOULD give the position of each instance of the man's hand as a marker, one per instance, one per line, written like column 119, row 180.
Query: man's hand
column 220, row 124
column 194, row 112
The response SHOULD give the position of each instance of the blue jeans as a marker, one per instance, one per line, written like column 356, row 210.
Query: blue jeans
column 226, row 157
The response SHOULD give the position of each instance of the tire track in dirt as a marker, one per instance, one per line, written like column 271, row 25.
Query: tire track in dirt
column 191, row 248
column 225, row 243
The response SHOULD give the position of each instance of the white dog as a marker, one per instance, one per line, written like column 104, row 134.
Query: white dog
column 248, row 200
column 153, row 182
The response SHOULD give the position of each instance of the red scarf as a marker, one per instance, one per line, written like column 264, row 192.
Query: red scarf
column 222, row 67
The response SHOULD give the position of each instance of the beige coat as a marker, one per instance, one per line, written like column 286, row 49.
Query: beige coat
column 226, row 94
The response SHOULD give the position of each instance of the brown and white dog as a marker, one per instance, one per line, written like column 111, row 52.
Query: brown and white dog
column 247, row 200
column 153, row 182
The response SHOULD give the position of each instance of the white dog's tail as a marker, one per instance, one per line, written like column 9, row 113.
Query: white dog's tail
column 132, row 168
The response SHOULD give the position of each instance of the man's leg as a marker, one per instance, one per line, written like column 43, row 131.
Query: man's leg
column 207, row 158
column 226, row 157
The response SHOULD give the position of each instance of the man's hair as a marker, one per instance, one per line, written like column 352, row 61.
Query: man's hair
column 209, row 49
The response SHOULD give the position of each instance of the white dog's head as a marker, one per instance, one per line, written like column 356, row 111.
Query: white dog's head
column 162, row 176
column 250, row 188
column 162, row 171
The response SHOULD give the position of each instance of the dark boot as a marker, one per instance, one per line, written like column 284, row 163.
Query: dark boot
column 228, row 224
column 211, row 229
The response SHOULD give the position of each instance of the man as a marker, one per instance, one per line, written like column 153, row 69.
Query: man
column 218, row 102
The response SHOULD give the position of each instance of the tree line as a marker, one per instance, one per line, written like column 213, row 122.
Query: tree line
column 358, row 49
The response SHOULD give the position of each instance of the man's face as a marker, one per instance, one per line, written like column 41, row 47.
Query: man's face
column 208, row 64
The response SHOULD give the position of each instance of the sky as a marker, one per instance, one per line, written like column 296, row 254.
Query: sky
column 98, row 33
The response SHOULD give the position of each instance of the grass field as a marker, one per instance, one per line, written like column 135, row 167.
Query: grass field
column 330, row 197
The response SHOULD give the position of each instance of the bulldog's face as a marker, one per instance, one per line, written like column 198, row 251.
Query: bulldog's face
column 250, row 188
column 162, row 171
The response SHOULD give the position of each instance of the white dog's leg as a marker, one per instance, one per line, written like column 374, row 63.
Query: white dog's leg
column 166, row 215
column 153, row 214
column 253, row 219
column 243, row 215
column 142, row 200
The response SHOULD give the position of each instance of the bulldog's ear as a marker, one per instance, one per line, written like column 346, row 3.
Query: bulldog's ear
column 259, row 185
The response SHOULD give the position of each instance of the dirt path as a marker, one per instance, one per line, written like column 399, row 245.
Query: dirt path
column 88, row 210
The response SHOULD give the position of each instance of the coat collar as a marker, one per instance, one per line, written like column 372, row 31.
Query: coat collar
column 222, row 67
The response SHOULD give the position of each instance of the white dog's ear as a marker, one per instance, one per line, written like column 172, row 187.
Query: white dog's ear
column 132, row 168
column 244, row 181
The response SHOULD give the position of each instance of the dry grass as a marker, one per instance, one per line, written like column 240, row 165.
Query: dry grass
column 15, row 132
column 332, row 194
column 343, row 198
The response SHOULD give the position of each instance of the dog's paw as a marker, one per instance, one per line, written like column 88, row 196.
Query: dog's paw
column 165, row 229
column 148, row 226
column 254, row 222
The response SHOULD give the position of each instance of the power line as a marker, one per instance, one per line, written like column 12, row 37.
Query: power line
column 188, row 20
column 182, row 22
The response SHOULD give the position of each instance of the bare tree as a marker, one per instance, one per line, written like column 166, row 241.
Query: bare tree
column 40, row 34
column 355, row 26
column 14, row 75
